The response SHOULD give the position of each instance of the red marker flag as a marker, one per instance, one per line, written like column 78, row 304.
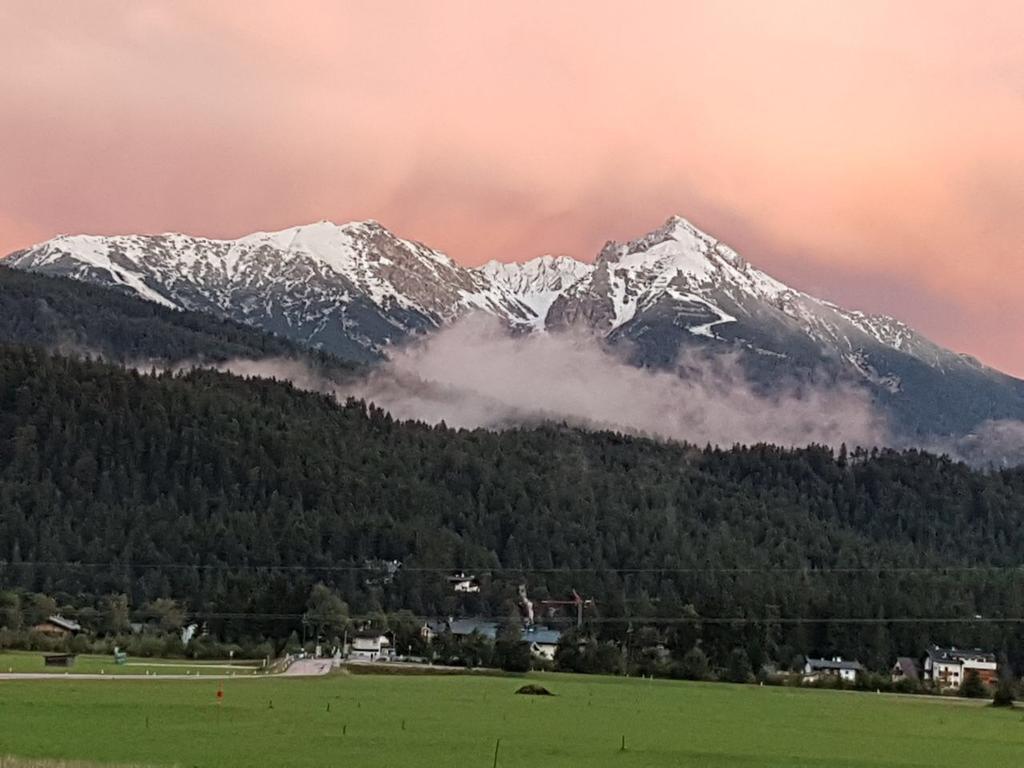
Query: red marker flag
column 220, row 694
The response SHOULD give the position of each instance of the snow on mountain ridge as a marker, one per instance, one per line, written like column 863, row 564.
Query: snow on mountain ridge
column 356, row 289
column 376, row 287
column 537, row 282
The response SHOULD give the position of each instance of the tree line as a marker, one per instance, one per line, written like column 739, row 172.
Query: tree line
column 234, row 498
column 78, row 319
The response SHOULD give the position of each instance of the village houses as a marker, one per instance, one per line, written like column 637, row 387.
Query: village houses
column 58, row 626
column 370, row 647
column 819, row 669
column 948, row 667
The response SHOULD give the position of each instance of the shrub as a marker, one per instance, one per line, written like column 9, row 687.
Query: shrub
column 534, row 690
column 739, row 670
column 1004, row 694
column 694, row 665
column 973, row 687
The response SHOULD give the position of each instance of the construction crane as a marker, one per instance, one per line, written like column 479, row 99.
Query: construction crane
column 576, row 601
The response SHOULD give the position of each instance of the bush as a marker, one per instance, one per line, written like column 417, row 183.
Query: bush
column 1004, row 694
column 906, row 685
column 513, row 657
column 38, row 641
column 534, row 690
column 694, row 665
column 973, row 687
column 739, row 670
column 146, row 646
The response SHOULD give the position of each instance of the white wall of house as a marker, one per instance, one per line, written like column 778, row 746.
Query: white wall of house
column 948, row 673
column 369, row 648
column 544, row 650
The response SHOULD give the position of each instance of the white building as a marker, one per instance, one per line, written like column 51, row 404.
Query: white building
column 464, row 583
column 818, row 669
column 543, row 641
column 947, row 667
column 370, row 648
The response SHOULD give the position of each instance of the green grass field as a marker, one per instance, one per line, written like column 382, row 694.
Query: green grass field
column 32, row 661
column 406, row 721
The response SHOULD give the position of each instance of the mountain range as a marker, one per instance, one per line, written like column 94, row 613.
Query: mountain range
column 356, row 290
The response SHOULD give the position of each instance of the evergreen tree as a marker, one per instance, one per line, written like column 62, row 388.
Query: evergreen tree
column 739, row 669
column 694, row 665
column 973, row 687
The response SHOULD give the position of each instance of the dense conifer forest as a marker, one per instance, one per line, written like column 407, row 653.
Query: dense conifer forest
column 79, row 319
column 236, row 497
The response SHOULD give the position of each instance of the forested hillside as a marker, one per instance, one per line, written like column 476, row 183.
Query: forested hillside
column 80, row 319
column 236, row 496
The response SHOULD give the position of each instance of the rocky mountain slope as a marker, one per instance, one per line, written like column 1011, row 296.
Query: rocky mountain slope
column 357, row 289
column 351, row 290
column 77, row 320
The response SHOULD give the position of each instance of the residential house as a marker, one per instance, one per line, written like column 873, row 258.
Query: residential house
column 466, row 627
column 905, row 668
column 543, row 641
column 370, row 647
column 58, row 626
column 432, row 629
column 947, row 667
column 462, row 582
column 820, row 669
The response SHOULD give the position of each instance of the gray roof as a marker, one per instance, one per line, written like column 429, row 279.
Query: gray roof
column 957, row 655
column 464, row 627
column 68, row 624
column 489, row 629
column 542, row 635
column 907, row 667
column 832, row 664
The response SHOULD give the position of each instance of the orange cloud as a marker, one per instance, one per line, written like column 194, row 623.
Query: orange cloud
column 868, row 151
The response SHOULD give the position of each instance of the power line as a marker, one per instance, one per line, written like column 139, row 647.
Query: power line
column 666, row 620
column 808, row 570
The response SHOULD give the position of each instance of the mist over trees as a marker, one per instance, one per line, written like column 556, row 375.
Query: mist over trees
column 207, row 497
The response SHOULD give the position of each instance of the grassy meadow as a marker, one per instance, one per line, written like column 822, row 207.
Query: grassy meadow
column 407, row 721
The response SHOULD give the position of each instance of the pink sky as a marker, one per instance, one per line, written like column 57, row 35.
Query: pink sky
column 871, row 153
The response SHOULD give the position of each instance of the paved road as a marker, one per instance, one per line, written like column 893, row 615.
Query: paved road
column 91, row 676
column 298, row 668
column 308, row 668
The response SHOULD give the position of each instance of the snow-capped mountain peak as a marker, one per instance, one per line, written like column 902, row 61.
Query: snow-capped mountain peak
column 537, row 282
column 353, row 288
column 543, row 273
column 357, row 288
column 679, row 248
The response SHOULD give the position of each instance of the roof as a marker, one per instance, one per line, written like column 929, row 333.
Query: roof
column 542, row 635
column 464, row 627
column 958, row 655
column 489, row 629
column 907, row 667
column 60, row 621
column 834, row 664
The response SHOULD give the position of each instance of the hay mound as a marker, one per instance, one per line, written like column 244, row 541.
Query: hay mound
column 534, row 690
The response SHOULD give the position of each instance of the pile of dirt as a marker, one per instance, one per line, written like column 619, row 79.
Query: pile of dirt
column 534, row 690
